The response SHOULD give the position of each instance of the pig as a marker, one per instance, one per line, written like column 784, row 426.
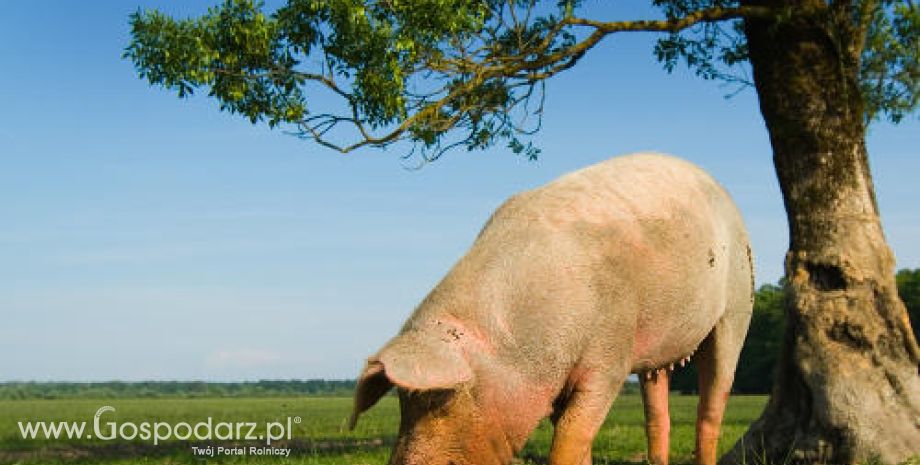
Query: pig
column 629, row 266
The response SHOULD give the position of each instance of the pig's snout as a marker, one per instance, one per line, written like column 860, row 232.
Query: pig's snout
column 456, row 435
column 449, row 450
column 443, row 419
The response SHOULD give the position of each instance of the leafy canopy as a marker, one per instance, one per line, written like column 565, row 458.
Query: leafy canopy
column 448, row 73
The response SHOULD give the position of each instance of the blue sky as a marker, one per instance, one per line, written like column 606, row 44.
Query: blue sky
column 144, row 237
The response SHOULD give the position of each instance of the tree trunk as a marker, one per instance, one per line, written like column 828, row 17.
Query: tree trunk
column 847, row 385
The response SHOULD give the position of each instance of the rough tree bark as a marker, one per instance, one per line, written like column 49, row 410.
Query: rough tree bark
column 847, row 387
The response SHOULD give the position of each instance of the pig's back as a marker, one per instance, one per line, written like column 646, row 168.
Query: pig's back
column 629, row 189
column 645, row 244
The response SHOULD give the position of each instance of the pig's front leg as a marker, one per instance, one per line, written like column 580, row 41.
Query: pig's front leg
column 580, row 417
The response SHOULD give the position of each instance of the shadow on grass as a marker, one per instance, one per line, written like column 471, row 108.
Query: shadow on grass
column 316, row 447
column 131, row 450
column 535, row 459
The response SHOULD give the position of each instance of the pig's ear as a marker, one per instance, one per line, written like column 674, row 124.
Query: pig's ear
column 419, row 361
column 372, row 385
column 415, row 361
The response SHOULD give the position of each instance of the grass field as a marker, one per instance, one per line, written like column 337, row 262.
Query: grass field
column 320, row 437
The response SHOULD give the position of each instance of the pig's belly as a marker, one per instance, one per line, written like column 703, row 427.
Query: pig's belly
column 671, row 326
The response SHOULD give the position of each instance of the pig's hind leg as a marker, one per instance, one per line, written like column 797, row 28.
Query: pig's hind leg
column 579, row 415
column 716, row 360
column 657, row 419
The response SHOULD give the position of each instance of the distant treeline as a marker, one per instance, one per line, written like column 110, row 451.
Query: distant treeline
column 765, row 337
column 158, row 389
column 754, row 374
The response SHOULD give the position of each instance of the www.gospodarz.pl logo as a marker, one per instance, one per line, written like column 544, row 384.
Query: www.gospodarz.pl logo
column 107, row 429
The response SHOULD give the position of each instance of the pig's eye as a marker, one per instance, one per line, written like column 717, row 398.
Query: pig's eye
column 437, row 399
column 433, row 401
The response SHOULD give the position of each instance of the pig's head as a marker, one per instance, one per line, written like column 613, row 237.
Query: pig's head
column 445, row 418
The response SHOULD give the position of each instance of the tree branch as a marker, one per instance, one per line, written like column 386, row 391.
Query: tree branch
column 707, row 15
column 527, row 66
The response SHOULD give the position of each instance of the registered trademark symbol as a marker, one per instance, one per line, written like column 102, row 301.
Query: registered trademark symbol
column 297, row 420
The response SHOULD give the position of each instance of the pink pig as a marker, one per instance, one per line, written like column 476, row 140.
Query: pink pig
column 628, row 266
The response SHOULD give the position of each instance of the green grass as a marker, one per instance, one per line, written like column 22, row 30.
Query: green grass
column 321, row 437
